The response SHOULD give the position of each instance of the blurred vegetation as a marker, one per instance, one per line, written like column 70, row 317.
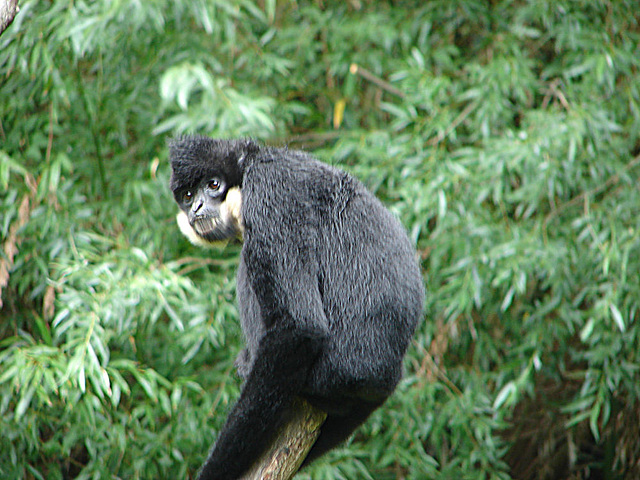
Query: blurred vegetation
column 504, row 134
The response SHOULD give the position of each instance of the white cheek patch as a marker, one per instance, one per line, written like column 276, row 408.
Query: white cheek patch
column 230, row 209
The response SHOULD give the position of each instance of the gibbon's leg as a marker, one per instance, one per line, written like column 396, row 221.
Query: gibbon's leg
column 283, row 360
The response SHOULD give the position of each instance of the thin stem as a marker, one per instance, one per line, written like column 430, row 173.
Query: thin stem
column 94, row 132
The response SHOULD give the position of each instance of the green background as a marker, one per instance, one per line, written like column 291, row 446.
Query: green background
column 503, row 134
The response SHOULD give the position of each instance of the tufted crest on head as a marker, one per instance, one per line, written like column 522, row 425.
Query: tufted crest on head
column 196, row 157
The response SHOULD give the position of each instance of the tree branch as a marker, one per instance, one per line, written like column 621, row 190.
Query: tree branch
column 356, row 69
column 291, row 445
column 8, row 10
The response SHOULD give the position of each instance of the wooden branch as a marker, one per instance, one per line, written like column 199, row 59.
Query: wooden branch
column 8, row 10
column 291, row 445
column 356, row 69
column 13, row 240
column 457, row 121
column 614, row 179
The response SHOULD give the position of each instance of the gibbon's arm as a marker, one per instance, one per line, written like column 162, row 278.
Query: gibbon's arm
column 296, row 331
column 281, row 248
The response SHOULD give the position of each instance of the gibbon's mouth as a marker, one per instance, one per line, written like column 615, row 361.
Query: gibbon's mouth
column 215, row 229
column 205, row 226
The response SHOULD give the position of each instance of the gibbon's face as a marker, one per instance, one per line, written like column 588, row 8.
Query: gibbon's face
column 210, row 213
column 205, row 181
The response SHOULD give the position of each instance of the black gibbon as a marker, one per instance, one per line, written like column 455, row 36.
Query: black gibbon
column 328, row 285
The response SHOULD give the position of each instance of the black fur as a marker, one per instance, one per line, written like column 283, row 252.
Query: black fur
column 329, row 293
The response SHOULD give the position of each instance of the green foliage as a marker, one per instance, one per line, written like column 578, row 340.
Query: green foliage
column 505, row 135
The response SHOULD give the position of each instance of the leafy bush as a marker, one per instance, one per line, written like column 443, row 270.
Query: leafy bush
column 503, row 134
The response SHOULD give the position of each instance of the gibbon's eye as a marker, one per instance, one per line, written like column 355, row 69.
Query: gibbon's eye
column 187, row 197
column 214, row 185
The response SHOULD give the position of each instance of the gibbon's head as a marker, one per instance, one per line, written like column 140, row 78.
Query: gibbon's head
column 206, row 183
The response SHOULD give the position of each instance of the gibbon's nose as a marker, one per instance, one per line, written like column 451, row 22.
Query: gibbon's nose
column 197, row 205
